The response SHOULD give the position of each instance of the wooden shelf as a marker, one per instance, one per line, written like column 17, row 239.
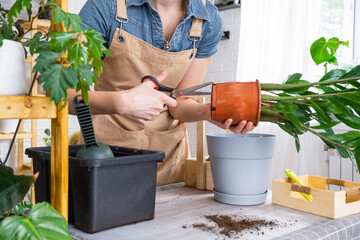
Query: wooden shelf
column 19, row 135
column 25, row 107
column 29, row 59
column 27, row 166
column 41, row 24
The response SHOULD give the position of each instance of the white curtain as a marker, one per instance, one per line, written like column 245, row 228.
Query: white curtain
column 275, row 40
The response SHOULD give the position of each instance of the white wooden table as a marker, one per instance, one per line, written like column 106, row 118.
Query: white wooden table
column 179, row 206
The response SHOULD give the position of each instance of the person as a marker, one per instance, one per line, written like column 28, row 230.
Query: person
column 173, row 40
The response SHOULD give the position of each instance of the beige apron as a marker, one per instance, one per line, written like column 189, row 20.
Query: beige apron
column 132, row 59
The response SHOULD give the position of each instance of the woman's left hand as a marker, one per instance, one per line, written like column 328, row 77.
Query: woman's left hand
column 243, row 127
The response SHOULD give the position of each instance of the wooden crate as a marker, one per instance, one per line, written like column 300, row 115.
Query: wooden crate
column 332, row 204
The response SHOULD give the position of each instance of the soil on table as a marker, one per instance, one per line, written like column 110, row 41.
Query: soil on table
column 233, row 227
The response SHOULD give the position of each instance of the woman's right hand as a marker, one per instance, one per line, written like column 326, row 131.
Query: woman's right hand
column 143, row 101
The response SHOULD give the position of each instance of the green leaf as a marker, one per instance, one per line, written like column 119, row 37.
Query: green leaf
column 286, row 129
column 59, row 40
column 95, row 43
column 294, row 119
column 351, row 121
column 326, row 126
column 47, row 141
column 285, row 107
column 343, row 152
column 333, row 75
column 16, row 8
column 354, row 72
column 333, row 61
column 320, row 111
column 297, row 142
column 77, row 55
column 45, row 59
column 85, row 73
column 302, row 114
column 96, row 63
column 353, row 143
column 12, row 188
column 330, row 107
column 295, row 76
column 341, row 106
column 321, row 51
column 351, row 135
column 292, row 133
column 6, row 30
column 22, row 207
column 334, row 43
column 43, row 222
column 357, row 158
column 47, row 132
column 354, row 97
column 84, row 87
column 67, row 18
column 95, row 48
column 58, row 79
column 353, row 105
column 35, row 43
column 1, row 40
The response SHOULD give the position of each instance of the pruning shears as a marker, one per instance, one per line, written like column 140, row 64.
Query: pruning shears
column 293, row 176
column 174, row 93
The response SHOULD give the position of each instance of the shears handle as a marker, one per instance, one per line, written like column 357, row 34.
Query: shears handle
column 158, row 85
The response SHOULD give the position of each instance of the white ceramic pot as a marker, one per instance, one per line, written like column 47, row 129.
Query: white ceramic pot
column 240, row 166
column 12, row 76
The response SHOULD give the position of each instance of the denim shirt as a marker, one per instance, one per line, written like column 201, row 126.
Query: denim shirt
column 144, row 23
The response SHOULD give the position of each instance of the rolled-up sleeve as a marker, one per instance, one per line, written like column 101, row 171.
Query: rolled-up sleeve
column 97, row 14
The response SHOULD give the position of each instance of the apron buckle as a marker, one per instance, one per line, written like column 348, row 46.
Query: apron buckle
column 194, row 40
column 121, row 38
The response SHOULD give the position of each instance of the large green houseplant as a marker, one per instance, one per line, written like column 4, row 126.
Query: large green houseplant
column 298, row 106
column 42, row 222
column 57, row 73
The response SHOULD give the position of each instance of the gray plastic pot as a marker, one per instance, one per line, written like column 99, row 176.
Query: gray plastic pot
column 240, row 166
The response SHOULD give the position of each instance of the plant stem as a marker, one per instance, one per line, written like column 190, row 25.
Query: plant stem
column 32, row 22
column 324, row 138
column 274, row 98
column 274, row 86
column 265, row 118
column 268, row 112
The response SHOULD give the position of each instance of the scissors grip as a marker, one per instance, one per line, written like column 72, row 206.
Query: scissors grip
column 158, row 85
column 151, row 78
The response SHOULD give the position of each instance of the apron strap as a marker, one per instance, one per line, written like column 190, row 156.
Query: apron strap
column 121, row 10
column 196, row 26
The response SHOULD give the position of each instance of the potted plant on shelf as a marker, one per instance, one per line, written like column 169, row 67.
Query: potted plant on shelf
column 58, row 71
column 296, row 106
column 41, row 222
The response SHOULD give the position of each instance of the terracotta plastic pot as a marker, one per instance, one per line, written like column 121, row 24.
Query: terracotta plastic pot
column 236, row 100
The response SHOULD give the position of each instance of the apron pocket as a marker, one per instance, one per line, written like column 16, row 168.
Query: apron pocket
column 108, row 132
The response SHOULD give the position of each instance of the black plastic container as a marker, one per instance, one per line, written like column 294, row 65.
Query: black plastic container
column 106, row 192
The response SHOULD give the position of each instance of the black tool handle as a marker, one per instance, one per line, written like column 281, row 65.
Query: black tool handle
column 84, row 117
column 158, row 85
